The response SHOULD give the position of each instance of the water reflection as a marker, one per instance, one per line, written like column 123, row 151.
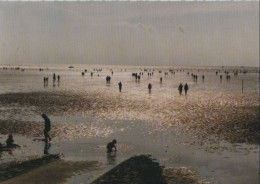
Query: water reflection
column 46, row 148
column 111, row 158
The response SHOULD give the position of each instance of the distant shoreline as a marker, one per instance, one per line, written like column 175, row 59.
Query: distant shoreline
column 134, row 67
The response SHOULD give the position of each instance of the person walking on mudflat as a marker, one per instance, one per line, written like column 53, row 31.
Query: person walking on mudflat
column 180, row 88
column 47, row 127
column 186, row 88
column 120, row 86
column 150, row 87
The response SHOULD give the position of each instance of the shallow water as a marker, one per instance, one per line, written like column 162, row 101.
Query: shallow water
column 14, row 81
column 239, row 165
column 86, row 113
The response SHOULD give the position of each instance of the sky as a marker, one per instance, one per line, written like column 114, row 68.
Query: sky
column 130, row 33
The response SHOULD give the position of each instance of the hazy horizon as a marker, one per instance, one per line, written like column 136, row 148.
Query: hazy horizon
column 130, row 33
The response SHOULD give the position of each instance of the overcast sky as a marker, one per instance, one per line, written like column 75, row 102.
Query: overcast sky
column 132, row 33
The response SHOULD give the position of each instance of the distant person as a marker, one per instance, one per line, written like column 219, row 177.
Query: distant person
column 161, row 80
column 47, row 127
column 9, row 141
column 150, row 87
column 180, row 88
column 203, row 77
column 186, row 88
column 1, row 147
column 111, row 145
column 54, row 77
column 44, row 82
column 120, row 86
column 58, row 78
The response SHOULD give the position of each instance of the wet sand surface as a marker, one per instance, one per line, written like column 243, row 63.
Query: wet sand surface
column 212, row 133
column 56, row 172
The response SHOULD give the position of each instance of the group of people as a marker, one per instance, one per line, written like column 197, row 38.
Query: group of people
column 108, row 78
column 54, row 77
column 137, row 77
column 186, row 88
column 195, row 77
column 46, row 80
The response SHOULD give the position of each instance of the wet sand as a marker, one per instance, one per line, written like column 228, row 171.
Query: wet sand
column 53, row 173
column 237, row 164
column 230, row 117
column 213, row 133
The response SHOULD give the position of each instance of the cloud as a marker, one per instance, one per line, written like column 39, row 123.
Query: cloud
column 184, row 33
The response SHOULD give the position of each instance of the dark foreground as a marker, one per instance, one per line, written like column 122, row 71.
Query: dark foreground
column 11, row 170
column 144, row 170
column 136, row 170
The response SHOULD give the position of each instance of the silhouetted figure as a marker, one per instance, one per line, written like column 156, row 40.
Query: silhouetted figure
column 54, row 77
column 58, row 78
column 44, row 82
column 228, row 77
column 82, row 73
column 203, row 77
column 1, row 147
column 91, row 74
column 150, row 87
column 47, row 127
column 161, row 80
column 108, row 78
column 120, row 86
column 180, row 88
column 111, row 145
column 186, row 88
column 112, row 72
column 216, row 72
column 9, row 141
